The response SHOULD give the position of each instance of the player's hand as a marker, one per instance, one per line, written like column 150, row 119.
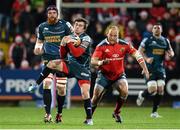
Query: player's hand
column 170, row 53
column 38, row 51
column 149, row 60
column 145, row 73
column 65, row 40
column 103, row 62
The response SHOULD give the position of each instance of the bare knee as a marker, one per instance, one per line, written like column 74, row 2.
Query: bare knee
column 61, row 86
column 161, row 85
column 123, row 88
column 152, row 86
column 85, row 91
column 97, row 94
column 47, row 83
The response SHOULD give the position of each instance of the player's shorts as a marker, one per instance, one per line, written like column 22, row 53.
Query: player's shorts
column 105, row 82
column 156, row 76
column 58, row 73
column 78, row 71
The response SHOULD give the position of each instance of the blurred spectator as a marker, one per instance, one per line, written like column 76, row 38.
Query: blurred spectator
column 158, row 9
column 31, row 57
column 130, row 63
column 17, row 52
column 169, row 64
column 19, row 6
column 177, row 51
column 2, row 59
column 175, row 19
column 105, row 15
column 132, row 32
column 99, row 35
column 143, row 21
column 148, row 31
column 15, row 27
column 117, row 22
column 40, row 14
column 25, row 65
column 27, row 21
column 124, row 15
column 166, row 23
column 5, row 17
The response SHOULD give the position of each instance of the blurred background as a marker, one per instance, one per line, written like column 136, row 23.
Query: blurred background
column 19, row 66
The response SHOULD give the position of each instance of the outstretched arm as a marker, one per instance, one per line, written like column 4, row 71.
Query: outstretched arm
column 142, row 63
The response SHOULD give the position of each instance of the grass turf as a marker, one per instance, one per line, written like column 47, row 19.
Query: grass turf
column 137, row 118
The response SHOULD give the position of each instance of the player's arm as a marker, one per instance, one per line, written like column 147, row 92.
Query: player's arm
column 136, row 54
column 142, row 51
column 76, row 51
column 170, row 51
column 96, row 59
column 76, row 46
column 38, row 49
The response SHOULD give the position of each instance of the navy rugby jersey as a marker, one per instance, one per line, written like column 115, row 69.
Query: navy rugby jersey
column 83, row 59
column 51, row 35
column 155, row 48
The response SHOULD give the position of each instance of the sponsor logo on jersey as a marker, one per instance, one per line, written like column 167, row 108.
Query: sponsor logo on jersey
column 122, row 49
column 115, row 55
column 46, row 28
column 107, row 50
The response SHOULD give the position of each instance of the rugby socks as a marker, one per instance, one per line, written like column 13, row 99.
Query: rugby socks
column 119, row 104
column 47, row 100
column 60, row 103
column 93, row 108
column 145, row 93
column 46, row 71
column 88, row 108
column 156, row 102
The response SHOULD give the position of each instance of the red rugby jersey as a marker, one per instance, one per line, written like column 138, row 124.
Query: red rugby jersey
column 115, row 53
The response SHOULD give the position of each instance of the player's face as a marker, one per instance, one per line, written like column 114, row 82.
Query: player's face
column 112, row 36
column 52, row 16
column 79, row 27
column 157, row 30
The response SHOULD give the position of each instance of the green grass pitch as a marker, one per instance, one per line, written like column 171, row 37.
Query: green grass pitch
column 134, row 117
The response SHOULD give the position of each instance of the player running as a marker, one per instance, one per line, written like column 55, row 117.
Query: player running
column 109, row 58
column 154, row 49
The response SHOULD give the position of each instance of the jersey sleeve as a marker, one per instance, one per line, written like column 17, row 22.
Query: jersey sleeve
column 98, row 53
column 168, row 44
column 40, row 32
column 143, row 43
column 130, row 49
column 68, row 28
column 85, row 42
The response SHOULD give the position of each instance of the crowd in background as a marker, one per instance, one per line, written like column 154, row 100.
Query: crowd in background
column 20, row 18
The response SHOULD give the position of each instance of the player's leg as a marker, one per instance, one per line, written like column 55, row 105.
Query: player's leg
column 61, row 82
column 151, row 90
column 98, row 93
column 157, row 98
column 101, row 85
column 47, row 97
column 122, row 87
column 85, row 92
column 51, row 65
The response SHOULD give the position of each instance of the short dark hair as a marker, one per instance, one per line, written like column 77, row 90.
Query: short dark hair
column 158, row 24
column 86, row 23
column 52, row 7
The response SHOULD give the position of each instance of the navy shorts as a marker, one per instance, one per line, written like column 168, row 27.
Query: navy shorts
column 78, row 71
column 156, row 76
column 105, row 82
